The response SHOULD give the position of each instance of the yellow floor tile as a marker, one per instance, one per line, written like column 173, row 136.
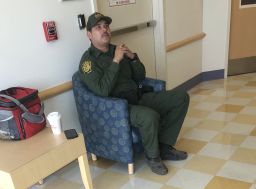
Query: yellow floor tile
column 225, row 183
column 232, row 88
column 230, row 108
column 205, row 164
column 245, row 94
column 102, row 163
column 212, row 124
column 190, row 146
column 246, row 119
column 245, row 155
column 192, row 104
column 242, row 77
column 198, row 113
column 252, row 103
column 253, row 133
column 229, row 139
column 217, row 99
column 169, row 187
column 220, row 82
column 251, row 83
column 110, row 180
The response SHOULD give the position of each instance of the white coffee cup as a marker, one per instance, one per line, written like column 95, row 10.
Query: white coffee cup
column 55, row 122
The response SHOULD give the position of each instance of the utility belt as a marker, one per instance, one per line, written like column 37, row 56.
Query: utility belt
column 133, row 96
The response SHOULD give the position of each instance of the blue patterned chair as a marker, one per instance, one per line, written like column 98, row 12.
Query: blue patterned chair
column 105, row 123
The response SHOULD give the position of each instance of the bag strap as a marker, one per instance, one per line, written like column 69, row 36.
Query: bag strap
column 34, row 118
column 11, row 91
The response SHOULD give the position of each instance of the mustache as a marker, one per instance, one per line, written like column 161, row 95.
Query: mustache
column 106, row 34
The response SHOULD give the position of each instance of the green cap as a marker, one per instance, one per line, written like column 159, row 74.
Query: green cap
column 95, row 18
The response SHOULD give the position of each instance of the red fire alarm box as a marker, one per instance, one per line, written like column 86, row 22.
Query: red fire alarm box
column 50, row 31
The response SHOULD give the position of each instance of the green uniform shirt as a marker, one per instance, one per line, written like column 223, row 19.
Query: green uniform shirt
column 107, row 78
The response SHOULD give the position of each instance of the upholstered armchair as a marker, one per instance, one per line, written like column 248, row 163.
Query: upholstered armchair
column 105, row 123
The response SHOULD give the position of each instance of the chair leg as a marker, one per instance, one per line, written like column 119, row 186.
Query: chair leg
column 41, row 182
column 130, row 168
column 94, row 157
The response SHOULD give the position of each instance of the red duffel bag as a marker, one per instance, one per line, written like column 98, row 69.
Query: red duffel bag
column 21, row 113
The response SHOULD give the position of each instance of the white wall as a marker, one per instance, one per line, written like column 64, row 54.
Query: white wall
column 26, row 58
column 216, row 21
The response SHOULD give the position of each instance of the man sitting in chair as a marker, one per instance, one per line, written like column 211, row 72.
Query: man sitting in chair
column 114, row 70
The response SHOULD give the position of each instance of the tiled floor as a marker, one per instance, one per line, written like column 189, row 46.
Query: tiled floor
column 219, row 133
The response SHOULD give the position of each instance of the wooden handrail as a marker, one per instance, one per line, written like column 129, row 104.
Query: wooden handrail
column 132, row 28
column 184, row 42
column 48, row 93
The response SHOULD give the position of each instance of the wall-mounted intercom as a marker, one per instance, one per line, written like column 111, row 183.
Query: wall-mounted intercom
column 50, row 31
column 81, row 21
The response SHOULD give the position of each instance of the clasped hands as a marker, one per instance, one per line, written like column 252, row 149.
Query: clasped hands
column 121, row 51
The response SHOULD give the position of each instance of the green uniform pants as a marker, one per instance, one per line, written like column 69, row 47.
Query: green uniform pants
column 159, row 117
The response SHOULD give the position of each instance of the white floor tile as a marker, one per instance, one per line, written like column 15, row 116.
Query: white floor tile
column 200, row 134
column 237, row 128
column 249, row 142
column 248, row 111
column 123, row 168
column 221, row 116
column 139, row 183
column 179, row 164
column 253, row 186
column 73, row 174
column 248, row 89
column 237, row 82
column 207, row 106
column 239, row 171
column 51, row 178
column 222, row 92
column 187, row 179
column 198, row 97
column 191, row 121
column 95, row 171
column 217, row 150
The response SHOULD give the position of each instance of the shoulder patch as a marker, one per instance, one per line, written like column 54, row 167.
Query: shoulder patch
column 87, row 66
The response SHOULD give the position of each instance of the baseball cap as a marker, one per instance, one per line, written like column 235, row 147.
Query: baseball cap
column 95, row 18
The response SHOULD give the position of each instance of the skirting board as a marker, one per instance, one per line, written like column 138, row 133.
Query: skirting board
column 242, row 66
column 204, row 76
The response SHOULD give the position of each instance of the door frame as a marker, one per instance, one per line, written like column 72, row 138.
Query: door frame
column 159, row 37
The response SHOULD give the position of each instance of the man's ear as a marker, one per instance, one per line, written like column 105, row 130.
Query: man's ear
column 89, row 34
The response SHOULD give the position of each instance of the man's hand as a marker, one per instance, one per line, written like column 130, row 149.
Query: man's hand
column 122, row 50
column 128, row 52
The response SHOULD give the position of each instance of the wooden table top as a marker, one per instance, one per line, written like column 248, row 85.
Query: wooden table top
column 17, row 153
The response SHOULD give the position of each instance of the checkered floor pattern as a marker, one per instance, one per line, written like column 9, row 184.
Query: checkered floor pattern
column 219, row 133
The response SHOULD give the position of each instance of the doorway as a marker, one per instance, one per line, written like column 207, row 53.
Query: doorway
column 242, row 49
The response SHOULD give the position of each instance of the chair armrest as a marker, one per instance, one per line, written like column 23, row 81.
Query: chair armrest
column 159, row 85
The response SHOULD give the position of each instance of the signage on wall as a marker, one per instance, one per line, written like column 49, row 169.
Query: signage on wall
column 113, row 3
column 247, row 3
